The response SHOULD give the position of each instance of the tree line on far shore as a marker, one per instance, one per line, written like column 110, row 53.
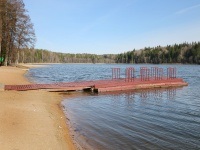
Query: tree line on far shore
column 45, row 56
column 185, row 53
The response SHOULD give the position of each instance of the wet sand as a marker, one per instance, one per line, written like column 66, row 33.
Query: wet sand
column 30, row 119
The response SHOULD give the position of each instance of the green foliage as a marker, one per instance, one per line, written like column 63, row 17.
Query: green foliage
column 1, row 59
column 45, row 56
column 177, row 53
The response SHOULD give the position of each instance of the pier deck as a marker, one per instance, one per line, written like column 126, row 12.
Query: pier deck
column 101, row 85
column 148, row 78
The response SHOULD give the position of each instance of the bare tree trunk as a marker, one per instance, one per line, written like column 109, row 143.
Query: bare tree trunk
column 17, row 58
column 23, row 57
column 0, row 27
column 0, row 33
column 6, row 60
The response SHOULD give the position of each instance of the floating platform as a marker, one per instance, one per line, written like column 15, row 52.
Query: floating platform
column 120, row 85
column 148, row 78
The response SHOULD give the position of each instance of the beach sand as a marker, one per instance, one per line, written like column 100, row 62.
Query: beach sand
column 30, row 119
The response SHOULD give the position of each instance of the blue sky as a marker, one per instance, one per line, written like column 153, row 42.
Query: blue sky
column 112, row 26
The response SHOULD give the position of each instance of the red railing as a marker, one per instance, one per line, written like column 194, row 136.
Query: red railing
column 144, row 73
column 115, row 73
column 171, row 73
column 130, row 74
column 157, row 73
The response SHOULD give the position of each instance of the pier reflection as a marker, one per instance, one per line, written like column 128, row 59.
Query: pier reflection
column 141, row 98
column 169, row 93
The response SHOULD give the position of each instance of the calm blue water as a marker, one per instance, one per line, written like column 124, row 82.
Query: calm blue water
column 145, row 119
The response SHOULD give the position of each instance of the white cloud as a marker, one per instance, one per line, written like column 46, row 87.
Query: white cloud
column 187, row 9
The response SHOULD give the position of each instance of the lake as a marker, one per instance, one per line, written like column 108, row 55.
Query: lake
column 144, row 119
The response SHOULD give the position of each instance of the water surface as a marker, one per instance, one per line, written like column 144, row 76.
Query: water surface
column 145, row 119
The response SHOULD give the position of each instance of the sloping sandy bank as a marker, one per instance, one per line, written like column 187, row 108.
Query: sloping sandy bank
column 30, row 119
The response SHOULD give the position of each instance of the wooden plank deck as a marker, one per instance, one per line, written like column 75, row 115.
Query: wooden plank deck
column 102, row 85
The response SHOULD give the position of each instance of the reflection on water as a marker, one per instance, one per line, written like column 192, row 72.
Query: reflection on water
column 158, row 93
column 147, row 119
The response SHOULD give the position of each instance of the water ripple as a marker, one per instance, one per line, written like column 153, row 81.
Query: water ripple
column 148, row 119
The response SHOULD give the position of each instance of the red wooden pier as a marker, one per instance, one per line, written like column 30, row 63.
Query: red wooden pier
column 148, row 78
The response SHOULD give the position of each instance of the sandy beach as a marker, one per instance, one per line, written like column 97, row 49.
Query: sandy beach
column 30, row 119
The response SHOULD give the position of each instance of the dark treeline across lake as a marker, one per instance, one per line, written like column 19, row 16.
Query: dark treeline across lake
column 178, row 53
column 186, row 53
column 145, row 119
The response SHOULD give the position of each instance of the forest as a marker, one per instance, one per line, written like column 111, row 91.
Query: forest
column 16, row 31
column 45, row 56
column 185, row 53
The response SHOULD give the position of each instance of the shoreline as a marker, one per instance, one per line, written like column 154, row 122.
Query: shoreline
column 33, row 65
column 31, row 119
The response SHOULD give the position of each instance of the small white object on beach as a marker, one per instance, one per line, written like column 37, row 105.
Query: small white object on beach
column 60, row 127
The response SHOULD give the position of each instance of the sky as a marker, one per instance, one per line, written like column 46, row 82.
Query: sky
column 112, row 26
